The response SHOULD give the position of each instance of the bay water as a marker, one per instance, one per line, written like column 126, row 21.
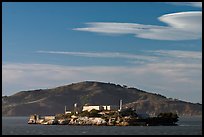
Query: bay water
column 19, row 126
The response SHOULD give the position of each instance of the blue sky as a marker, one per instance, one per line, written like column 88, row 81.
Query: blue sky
column 154, row 46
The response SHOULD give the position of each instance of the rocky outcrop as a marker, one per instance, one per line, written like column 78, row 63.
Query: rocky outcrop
column 88, row 121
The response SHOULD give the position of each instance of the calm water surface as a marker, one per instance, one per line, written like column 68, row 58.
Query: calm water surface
column 19, row 126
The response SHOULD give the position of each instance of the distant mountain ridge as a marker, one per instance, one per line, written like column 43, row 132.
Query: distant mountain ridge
column 52, row 101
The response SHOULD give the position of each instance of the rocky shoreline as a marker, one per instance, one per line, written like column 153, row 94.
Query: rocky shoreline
column 111, row 118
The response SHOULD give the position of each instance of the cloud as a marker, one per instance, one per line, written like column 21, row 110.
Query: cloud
column 102, row 55
column 178, row 54
column 193, row 4
column 148, row 55
column 176, row 74
column 175, row 78
column 181, row 26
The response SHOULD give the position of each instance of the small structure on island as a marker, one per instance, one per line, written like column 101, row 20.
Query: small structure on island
column 37, row 119
column 75, row 110
column 33, row 119
column 65, row 110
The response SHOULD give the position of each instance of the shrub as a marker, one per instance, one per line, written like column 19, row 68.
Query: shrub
column 84, row 113
column 128, row 112
column 94, row 113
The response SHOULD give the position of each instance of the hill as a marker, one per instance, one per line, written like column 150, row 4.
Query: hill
column 52, row 101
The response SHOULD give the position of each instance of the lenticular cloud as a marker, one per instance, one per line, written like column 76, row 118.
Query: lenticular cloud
column 180, row 26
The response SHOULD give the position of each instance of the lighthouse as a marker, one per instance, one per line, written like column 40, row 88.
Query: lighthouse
column 75, row 108
column 121, row 103
column 65, row 109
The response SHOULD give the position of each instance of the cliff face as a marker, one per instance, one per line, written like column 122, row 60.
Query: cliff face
column 52, row 101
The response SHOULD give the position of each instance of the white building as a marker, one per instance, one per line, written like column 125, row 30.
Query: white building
column 89, row 108
column 110, row 107
column 68, row 112
column 100, row 107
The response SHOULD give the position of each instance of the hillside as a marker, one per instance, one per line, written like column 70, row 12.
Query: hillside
column 52, row 101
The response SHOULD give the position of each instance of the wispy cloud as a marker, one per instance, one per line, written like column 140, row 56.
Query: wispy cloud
column 176, row 78
column 178, row 53
column 102, row 55
column 179, row 27
column 147, row 56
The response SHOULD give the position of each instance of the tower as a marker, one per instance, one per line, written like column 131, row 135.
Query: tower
column 65, row 109
column 121, row 103
column 75, row 108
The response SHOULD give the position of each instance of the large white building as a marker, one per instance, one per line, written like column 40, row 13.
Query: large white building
column 100, row 107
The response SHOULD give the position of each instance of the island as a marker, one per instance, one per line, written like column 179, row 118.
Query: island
column 105, row 116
